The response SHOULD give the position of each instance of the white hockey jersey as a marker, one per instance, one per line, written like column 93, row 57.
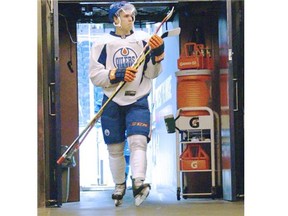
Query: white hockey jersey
column 112, row 51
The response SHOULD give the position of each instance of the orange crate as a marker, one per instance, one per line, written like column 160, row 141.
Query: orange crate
column 194, row 158
column 195, row 56
column 198, row 164
column 192, row 58
column 190, row 62
column 208, row 62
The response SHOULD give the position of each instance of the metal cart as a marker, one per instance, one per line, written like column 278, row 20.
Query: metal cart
column 195, row 153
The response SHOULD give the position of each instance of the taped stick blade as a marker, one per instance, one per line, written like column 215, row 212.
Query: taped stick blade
column 172, row 32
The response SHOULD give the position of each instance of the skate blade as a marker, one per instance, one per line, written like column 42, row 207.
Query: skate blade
column 118, row 202
column 139, row 199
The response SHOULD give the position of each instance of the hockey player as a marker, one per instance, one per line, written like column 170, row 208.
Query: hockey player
column 111, row 62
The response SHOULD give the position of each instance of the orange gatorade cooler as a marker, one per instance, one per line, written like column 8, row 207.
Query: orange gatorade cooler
column 193, row 90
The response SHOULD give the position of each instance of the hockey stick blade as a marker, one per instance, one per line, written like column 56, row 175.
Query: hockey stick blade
column 171, row 33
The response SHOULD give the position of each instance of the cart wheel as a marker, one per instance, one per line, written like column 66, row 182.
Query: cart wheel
column 178, row 193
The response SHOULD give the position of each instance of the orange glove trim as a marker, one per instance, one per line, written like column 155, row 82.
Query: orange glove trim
column 155, row 41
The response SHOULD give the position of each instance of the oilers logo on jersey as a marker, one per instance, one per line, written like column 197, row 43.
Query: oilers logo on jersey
column 124, row 57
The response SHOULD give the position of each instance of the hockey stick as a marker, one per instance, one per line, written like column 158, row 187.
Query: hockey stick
column 78, row 141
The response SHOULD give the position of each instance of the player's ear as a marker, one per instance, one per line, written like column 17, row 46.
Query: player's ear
column 116, row 20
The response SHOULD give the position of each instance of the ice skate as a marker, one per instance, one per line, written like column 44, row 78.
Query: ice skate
column 140, row 193
column 119, row 193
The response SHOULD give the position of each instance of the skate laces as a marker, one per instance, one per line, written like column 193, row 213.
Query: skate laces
column 120, row 188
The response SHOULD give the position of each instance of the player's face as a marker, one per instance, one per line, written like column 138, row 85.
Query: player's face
column 127, row 20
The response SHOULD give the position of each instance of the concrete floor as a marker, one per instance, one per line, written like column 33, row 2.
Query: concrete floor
column 160, row 202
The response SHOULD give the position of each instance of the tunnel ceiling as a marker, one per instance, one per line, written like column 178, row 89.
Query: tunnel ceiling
column 97, row 11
